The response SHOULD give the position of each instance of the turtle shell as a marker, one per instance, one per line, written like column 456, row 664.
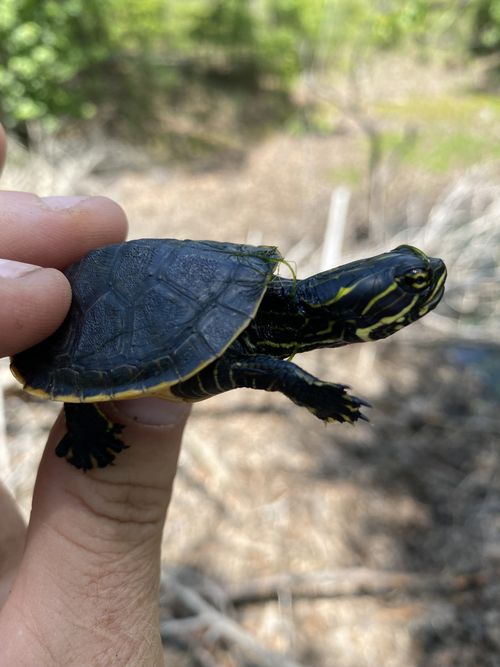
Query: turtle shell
column 145, row 315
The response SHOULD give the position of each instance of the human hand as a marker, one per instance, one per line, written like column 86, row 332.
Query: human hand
column 79, row 586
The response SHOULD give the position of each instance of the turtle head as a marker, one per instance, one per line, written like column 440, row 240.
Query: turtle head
column 371, row 298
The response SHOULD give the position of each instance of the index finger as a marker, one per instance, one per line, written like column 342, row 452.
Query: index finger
column 55, row 231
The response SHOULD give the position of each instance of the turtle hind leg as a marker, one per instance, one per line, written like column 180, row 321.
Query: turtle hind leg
column 92, row 439
column 326, row 400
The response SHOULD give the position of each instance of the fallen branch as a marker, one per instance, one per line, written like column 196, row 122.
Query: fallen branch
column 352, row 582
column 209, row 620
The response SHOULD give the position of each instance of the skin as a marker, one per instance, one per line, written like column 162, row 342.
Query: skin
column 79, row 584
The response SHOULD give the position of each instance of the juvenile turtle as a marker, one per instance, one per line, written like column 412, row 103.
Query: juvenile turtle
column 185, row 320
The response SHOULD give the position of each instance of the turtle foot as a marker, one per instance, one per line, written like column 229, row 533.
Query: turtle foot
column 92, row 440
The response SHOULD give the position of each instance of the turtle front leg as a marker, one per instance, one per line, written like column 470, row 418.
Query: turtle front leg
column 92, row 439
column 326, row 400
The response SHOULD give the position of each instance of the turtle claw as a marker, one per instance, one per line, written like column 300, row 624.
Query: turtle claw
column 358, row 403
column 354, row 405
column 331, row 402
column 364, row 403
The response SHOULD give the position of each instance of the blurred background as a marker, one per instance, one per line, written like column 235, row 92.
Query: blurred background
column 332, row 129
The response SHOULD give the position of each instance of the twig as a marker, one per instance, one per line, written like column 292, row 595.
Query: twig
column 204, row 657
column 331, row 254
column 217, row 625
column 352, row 582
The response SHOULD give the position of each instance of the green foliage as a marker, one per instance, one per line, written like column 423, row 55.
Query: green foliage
column 134, row 25
column 486, row 26
column 67, row 59
column 44, row 46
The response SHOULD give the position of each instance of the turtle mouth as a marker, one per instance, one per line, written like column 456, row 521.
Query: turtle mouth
column 433, row 302
column 436, row 294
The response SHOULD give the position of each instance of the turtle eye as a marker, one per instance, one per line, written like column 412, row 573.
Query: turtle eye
column 415, row 280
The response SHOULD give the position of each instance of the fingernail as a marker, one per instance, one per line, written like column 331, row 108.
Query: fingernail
column 63, row 203
column 153, row 411
column 11, row 269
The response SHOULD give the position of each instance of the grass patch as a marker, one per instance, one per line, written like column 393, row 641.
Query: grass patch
column 442, row 153
column 449, row 131
column 348, row 174
column 454, row 109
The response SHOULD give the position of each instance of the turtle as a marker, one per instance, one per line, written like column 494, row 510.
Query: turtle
column 185, row 320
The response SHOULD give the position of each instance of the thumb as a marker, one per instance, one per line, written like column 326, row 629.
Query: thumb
column 89, row 580
column 33, row 302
